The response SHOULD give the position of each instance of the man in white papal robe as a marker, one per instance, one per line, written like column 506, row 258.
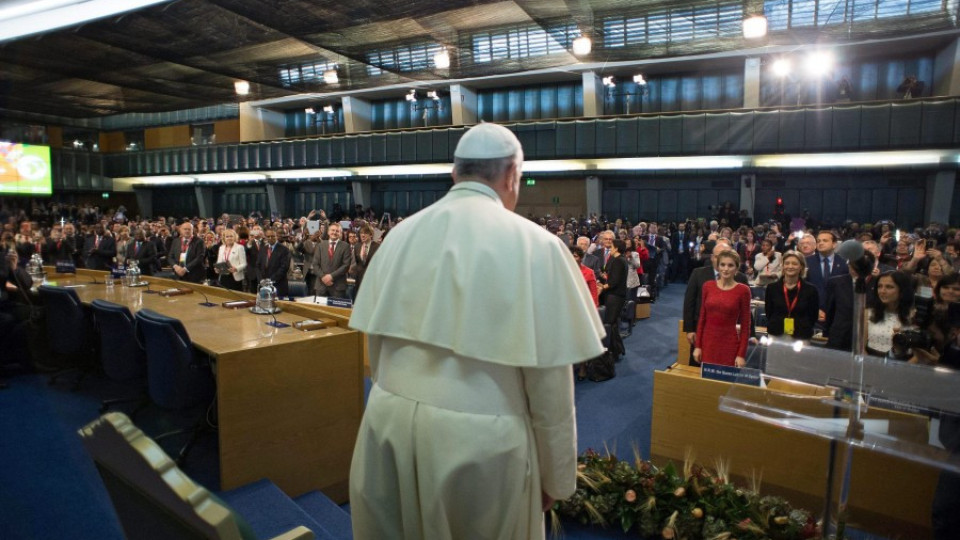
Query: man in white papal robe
column 474, row 316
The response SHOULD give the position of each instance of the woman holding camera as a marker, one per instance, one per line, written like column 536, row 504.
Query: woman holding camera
column 890, row 310
column 792, row 303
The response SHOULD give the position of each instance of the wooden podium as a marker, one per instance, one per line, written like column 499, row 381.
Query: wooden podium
column 889, row 496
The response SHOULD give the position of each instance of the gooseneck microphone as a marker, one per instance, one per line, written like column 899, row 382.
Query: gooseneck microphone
column 275, row 323
column 206, row 301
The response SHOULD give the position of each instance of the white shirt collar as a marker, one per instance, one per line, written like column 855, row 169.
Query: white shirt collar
column 478, row 187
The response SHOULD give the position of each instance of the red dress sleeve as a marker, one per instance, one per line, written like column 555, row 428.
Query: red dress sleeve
column 592, row 285
column 744, row 319
column 702, row 318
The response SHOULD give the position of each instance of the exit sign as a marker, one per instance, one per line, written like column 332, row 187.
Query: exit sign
column 556, row 200
column 531, row 182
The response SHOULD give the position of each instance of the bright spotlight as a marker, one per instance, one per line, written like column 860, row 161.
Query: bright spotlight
column 638, row 78
column 819, row 63
column 328, row 109
column 582, row 45
column 310, row 110
column 609, row 82
column 242, row 88
column 755, row 27
column 781, row 67
column 442, row 59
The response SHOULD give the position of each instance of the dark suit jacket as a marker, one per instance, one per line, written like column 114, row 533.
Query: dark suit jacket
column 99, row 257
column 594, row 262
column 163, row 249
column 804, row 313
column 691, row 299
column 361, row 264
column 275, row 269
column 146, row 256
column 62, row 252
column 194, row 259
column 337, row 267
column 817, row 279
column 616, row 269
column 838, row 328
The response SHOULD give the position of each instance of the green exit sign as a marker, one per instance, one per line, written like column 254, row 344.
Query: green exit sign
column 531, row 182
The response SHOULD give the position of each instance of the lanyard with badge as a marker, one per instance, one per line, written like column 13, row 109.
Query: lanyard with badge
column 788, row 322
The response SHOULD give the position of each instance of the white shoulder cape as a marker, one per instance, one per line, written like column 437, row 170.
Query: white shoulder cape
column 468, row 275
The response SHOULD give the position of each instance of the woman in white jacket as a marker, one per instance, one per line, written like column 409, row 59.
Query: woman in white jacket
column 234, row 255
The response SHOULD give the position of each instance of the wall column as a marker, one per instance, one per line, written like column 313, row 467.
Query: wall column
column 592, row 94
column 463, row 101
column 357, row 114
column 204, row 200
column 361, row 193
column 277, row 199
column 144, row 202
column 748, row 192
column 594, row 189
column 259, row 124
column 946, row 73
column 940, row 187
column 751, row 82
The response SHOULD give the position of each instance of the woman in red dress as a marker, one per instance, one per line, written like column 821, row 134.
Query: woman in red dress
column 725, row 303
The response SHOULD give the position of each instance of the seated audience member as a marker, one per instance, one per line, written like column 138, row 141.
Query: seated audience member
column 767, row 265
column 234, row 256
column 724, row 324
column 791, row 303
column 890, row 310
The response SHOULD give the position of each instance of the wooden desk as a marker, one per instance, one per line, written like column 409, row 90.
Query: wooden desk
column 289, row 401
column 889, row 496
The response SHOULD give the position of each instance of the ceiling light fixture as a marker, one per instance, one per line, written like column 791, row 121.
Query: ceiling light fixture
column 330, row 76
column 310, row 110
column 442, row 59
column 242, row 88
column 411, row 95
column 638, row 78
column 781, row 67
column 432, row 94
column 582, row 45
column 328, row 109
column 609, row 82
column 755, row 27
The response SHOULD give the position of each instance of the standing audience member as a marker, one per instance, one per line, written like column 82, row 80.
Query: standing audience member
column 330, row 263
column 767, row 265
column 274, row 263
column 824, row 265
column 144, row 252
column 693, row 295
column 235, row 257
column 186, row 255
column 791, row 303
column 365, row 252
column 890, row 311
column 613, row 294
column 838, row 321
column 723, row 328
column 99, row 249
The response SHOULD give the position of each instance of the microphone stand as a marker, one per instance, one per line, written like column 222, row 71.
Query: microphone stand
column 275, row 323
column 206, row 301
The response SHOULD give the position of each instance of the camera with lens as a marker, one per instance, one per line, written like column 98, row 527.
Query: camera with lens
column 906, row 341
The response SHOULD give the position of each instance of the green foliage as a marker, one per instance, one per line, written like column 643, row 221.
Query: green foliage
column 663, row 503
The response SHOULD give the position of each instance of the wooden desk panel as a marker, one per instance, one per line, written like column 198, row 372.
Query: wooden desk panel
column 289, row 401
column 889, row 496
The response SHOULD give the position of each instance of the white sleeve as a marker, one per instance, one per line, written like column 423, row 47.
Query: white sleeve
column 553, row 417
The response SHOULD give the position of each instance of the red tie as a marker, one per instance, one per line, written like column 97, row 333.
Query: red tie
column 269, row 253
column 330, row 250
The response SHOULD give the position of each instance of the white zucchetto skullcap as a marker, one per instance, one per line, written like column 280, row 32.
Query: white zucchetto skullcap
column 488, row 141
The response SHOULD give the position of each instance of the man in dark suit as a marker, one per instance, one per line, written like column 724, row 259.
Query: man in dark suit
column 331, row 260
column 364, row 251
column 186, row 255
column 823, row 265
column 591, row 260
column 99, row 250
column 838, row 325
column 144, row 252
column 162, row 243
column 693, row 295
column 273, row 263
column 59, row 249
column 680, row 248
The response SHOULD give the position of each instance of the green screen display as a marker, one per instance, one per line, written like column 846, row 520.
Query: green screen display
column 25, row 169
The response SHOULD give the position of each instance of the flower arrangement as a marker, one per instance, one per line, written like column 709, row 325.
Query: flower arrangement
column 662, row 503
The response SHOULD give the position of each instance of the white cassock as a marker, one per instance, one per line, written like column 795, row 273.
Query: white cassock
column 474, row 316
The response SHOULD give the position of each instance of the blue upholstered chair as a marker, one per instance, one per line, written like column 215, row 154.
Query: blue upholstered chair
column 297, row 288
column 178, row 378
column 122, row 357
column 69, row 331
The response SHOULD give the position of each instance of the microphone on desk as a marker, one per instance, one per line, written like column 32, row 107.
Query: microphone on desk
column 206, row 301
column 148, row 290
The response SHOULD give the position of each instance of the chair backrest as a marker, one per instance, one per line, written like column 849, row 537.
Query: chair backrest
column 68, row 327
column 175, row 380
column 122, row 356
column 297, row 289
column 153, row 498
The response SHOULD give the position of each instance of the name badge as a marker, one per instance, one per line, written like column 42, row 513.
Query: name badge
column 788, row 326
column 183, row 258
